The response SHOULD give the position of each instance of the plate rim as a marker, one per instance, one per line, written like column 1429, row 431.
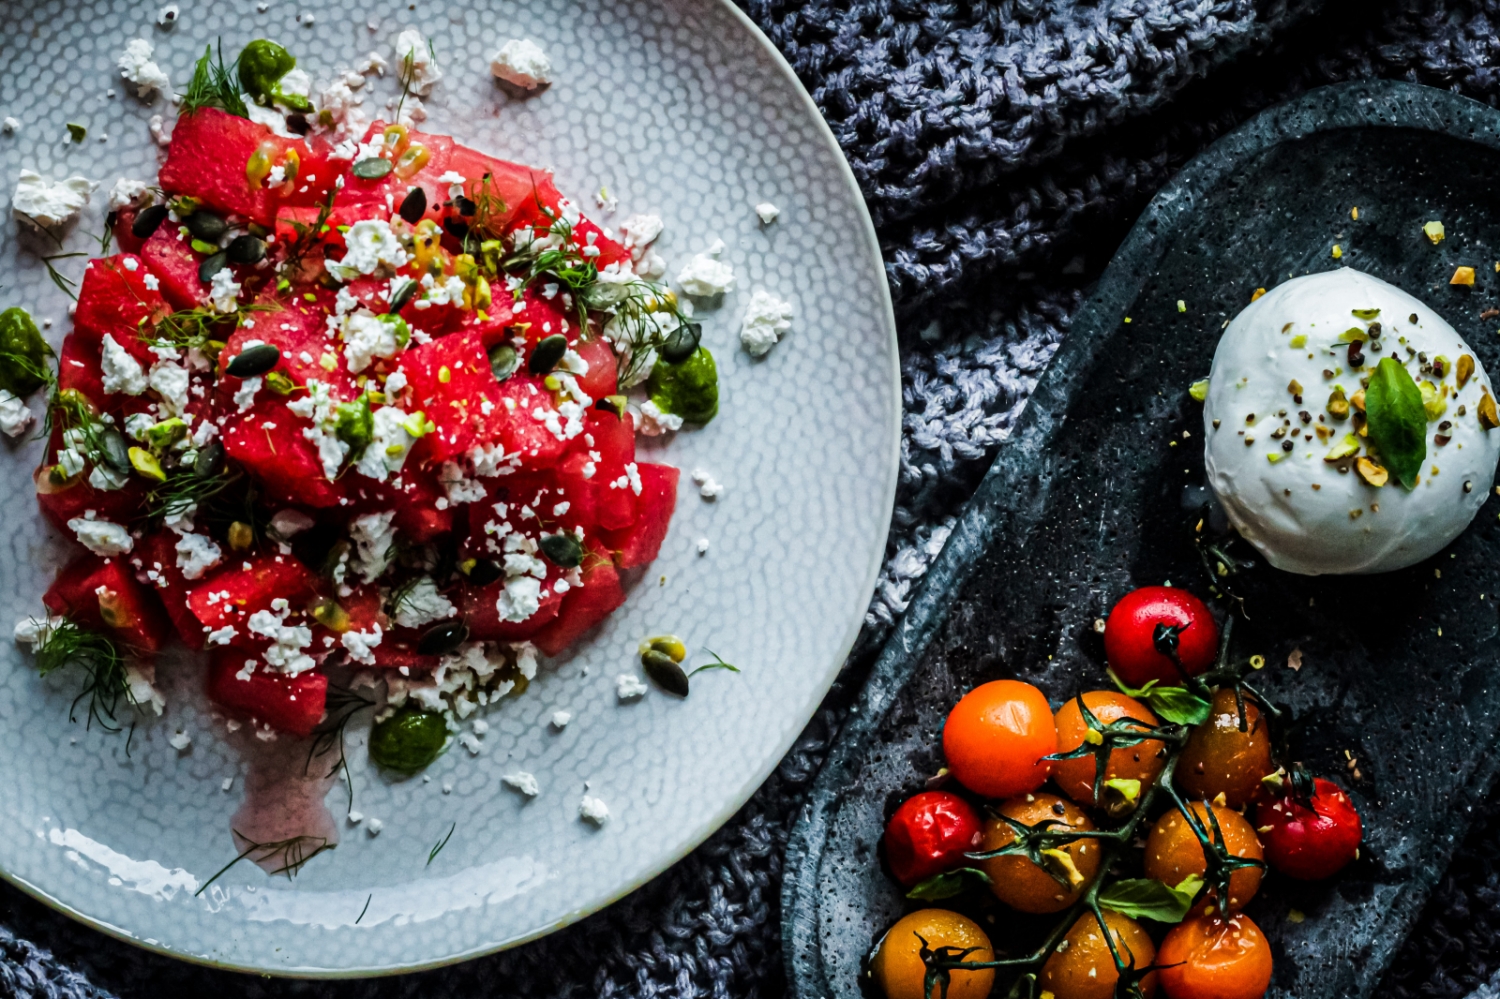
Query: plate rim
column 1004, row 501
column 743, row 794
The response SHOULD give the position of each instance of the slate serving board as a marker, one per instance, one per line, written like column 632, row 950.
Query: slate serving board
column 1094, row 494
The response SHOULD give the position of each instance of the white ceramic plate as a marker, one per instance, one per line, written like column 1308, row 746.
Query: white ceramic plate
column 680, row 107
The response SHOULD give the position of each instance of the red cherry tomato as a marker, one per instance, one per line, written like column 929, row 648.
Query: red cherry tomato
column 929, row 834
column 997, row 738
column 1135, row 651
column 1310, row 838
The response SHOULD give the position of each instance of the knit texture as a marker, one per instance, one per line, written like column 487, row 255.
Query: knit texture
column 1004, row 148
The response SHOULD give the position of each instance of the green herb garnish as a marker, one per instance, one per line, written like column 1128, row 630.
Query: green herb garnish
column 439, row 848
column 1397, row 420
column 261, row 66
column 214, row 86
column 1143, row 898
column 77, row 132
column 65, row 644
column 287, row 855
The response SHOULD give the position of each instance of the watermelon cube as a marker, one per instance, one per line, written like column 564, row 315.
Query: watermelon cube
column 245, row 586
column 316, row 174
column 399, row 653
column 522, row 422
column 584, row 606
column 268, row 440
column 604, row 368
column 120, row 222
column 449, row 379
column 79, row 370
column 175, row 265
column 360, row 198
column 478, row 604
column 207, row 159
column 155, row 562
column 293, row 704
column 520, row 188
column 299, row 330
column 115, row 300
column 639, row 543
column 103, row 594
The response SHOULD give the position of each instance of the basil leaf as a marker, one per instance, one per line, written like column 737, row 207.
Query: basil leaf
column 1397, row 420
column 948, row 884
column 1143, row 898
column 1178, row 706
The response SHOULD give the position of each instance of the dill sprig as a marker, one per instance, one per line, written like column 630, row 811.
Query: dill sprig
column 342, row 704
column 63, row 282
column 289, row 855
column 439, row 848
column 101, row 443
column 640, row 321
column 186, row 489
column 198, row 328
column 306, row 236
column 718, row 663
column 215, row 85
column 65, row 643
column 408, row 66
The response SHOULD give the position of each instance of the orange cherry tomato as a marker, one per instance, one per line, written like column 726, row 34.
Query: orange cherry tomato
column 1141, row 762
column 897, row 965
column 1212, row 957
column 1024, row 886
column 997, row 736
column 1220, row 759
column 1173, row 850
column 1082, row 968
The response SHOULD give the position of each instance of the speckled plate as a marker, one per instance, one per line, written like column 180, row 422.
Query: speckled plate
column 679, row 107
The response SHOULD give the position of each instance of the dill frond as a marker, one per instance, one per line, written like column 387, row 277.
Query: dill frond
column 307, row 235
column 186, row 490
column 63, row 282
column 214, row 85
column 342, row 704
column 431, row 856
column 66, row 644
column 289, row 855
column 199, row 328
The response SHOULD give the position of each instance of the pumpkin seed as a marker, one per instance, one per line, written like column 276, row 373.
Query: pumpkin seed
column 205, row 225
column 465, row 207
column 212, row 265
column 414, row 205
column 254, row 361
column 403, row 295
column 147, row 221
column 246, row 249
column 484, row 572
column 612, row 404
column 669, row 645
column 665, row 673
column 443, row 638
column 563, row 549
column 372, row 168
column 457, row 228
column 115, row 452
column 681, row 343
column 503, row 361
column 545, row 355
column 210, row 460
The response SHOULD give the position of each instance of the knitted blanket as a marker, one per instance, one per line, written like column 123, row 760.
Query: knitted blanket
column 1004, row 147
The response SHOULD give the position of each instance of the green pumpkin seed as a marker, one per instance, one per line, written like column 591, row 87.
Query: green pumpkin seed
column 372, row 168
column 207, row 249
column 210, row 460
column 115, row 452
column 254, row 361
column 205, row 225
column 503, row 361
column 484, row 572
column 403, row 295
column 612, row 404
column 665, row 673
column 147, row 220
column 414, row 205
column 545, row 355
column 246, row 249
column 563, row 549
column 212, row 265
column 457, row 228
column 681, row 343
column 443, row 638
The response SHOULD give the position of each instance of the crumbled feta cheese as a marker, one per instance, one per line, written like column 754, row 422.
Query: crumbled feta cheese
column 10, row 125
column 167, row 16
column 768, row 212
column 287, row 524
column 140, row 687
column 171, row 382
column 423, row 604
column 35, row 631
column 655, row 422
column 374, row 62
column 296, row 82
column 244, row 396
column 287, row 641
column 370, row 243
column 389, row 444
column 520, row 598
column 414, row 62
column 471, row 742
column 766, row 319
column 560, row 719
column 180, row 741
column 122, row 372
column 50, row 203
column 128, row 193
column 159, row 133
column 360, row 644
column 151, row 281
column 222, row 636
column 101, row 537
column 522, row 63
column 15, row 417
column 460, row 488
column 705, row 275
column 702, row 546
column 628, row 687
column 106, row 479
column 70, row 462
column 638, row 232
column 224, row 291
column 276, row 122
column 196, row 554
column 319, row 408
column 373, row 537
column 593, row 810
column 373, row 826
column 137, row 68
column 367, row 336
column 707, row 487
column 523, row 782
column 343, row 107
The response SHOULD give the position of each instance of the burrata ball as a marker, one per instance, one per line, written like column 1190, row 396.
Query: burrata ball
column 1289, row 451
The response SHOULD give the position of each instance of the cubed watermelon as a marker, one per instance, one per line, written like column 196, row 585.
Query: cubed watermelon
column 207, row 158
column 478, row 604
column 587, row 235
column 415, row 500
column 449, row 379
column 522, row 422
column 316, row 174
column 268, row 440
column 78, row 369
column 75, row 498
column 603, row 374
column 175, row 266
column 120, row 222
column 103, row 594
column 399, row 653
column 291, row 704
column 361, row 198
column 299, row 330
column 520, row 188
column 114, row 300
column 245, row 586
column 639, row 543
column 155, row 562
column 584, row 606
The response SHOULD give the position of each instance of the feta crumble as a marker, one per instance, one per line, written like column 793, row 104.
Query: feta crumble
column 196, row 554
column 122, row 372
column 655, row 421
column 371, row 243
column 127, row 193
column 389, row 445
column 137, row 68
column 702, row 546
column 102, row 537
column 414, row 62
column 140, row 687
column 628, row 687
column 766, row 319
column 592, row 809
column 560, row 719
column 367, row 336
column 523, row 782
column 180, row 741
column 359, row 644
column 15, row 417
column 705, row 275
column 287, row 641
column 423, row 604
column 224, row 291
column 768, row 212
column 373, row 537
column 50, row 203
column 10, row 125
column 522, row 63
column 708, row 488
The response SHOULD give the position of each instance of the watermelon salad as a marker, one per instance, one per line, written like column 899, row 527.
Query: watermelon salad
column 345, row 400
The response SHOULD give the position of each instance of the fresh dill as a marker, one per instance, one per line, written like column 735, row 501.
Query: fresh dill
column 718, row 663
column 65, row 643
column 342, row 705
column 187, row 489
column 307, row 235
column 442, row 843
column 63, row 282
column 408, row 68
column 368, row 899
column 214, row 85
column 198, row 328
column 289, row 855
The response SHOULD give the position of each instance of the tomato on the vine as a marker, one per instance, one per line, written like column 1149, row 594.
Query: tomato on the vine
column 997, row 738
column 1082, row 967
column 1219, row 758
column 1024, row 886
column 897, row 965
column 1160, row 633
column 929, row 834
column 1173, row 850
column 1141, row 762
column 1213, row 957
column 1310, row 837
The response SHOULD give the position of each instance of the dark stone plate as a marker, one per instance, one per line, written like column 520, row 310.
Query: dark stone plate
column 1092, row 496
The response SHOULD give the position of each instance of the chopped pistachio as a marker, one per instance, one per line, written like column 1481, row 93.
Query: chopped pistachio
column 1338, row 251
column 1463, row 276
column 1338, row 405
column 1258, row 292
column 1299, row 341
column 1294, row 387
column 1199, row 389
column 1489, row 419
column 1464, row 369
column 1372, row 473
column 1347, row 447
column 1434, row 232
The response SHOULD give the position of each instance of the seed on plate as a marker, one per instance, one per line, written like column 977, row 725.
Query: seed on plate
column 246, row 249
column 414, row 205
column 372, row 168
column 212, row 265
column 669, row 645
column 443, row 638
column 503, row 361
column 545, row 355
column 147, row 221
column 241, row 536
column 205, row 225
column 252, row 361
column 681, row 343
column 665, row 673
column 563, row 549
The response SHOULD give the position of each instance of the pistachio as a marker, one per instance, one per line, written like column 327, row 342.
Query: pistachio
column 1347, row 447
column 241, row 536
column 1357, row 400
column 1489, row 419
column 670, row 645
column 1464, row 370
column 1198, row 391
column 145, row 462
column 1372, row 473
column 327, row 612
column 1338, row 405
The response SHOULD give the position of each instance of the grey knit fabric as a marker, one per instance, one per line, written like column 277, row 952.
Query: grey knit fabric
column 1003, row 147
